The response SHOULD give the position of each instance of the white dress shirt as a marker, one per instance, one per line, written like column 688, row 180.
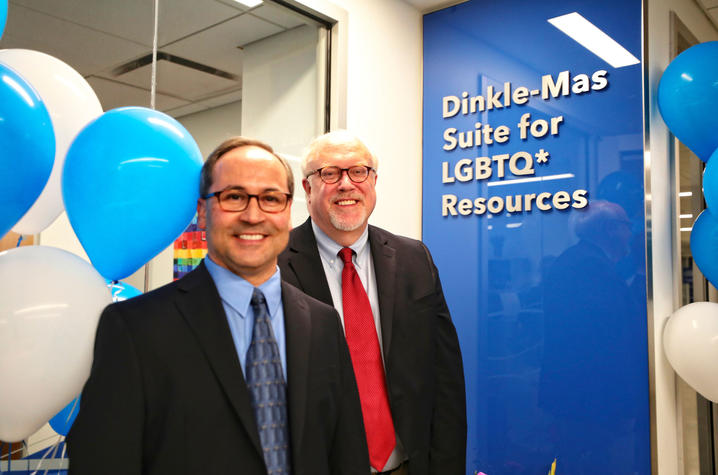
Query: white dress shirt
column 364, row 264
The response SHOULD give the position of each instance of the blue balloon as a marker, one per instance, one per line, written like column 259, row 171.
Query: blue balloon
column 27, row 147
column 122, row 290
column 3, row 15
column 130, row 187
column 710, row 184
column 704, row 245
column 62, row 421
column 688, row 98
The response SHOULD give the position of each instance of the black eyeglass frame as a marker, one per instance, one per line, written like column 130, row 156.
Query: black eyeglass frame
column 249, row 198
column 341, row 173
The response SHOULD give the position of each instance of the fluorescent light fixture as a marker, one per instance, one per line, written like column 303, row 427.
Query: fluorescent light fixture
column 685, row 193
column 686, row 216
column 593, row 39
column 685, row 230
column 249, row 3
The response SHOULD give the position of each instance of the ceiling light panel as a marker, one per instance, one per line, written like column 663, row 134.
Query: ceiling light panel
column 593, row 39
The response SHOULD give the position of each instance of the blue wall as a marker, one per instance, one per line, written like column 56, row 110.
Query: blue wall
column 549, row 302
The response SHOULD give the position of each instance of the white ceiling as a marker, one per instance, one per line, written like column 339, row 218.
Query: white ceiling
column 96, row 37
column 711, row 9
column 425, row 6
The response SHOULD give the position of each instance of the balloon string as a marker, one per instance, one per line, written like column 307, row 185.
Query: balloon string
column 54, row 451
column 64, row 446
column 19, row 240
column 115, row 289
column 39, row 465
column 153, row 87
column 153, row 93
column 74, row 405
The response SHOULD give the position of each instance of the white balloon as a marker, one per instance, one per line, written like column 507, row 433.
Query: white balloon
column 51, row 302
column 690, row 340
column 72, row 104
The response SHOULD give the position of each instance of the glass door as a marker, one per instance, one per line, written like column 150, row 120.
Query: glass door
column 697, row 414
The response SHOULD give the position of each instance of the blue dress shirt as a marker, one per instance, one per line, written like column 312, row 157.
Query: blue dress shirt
column 236, row 294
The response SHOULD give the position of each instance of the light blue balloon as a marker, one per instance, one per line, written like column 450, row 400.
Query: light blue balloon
column 27, row 147
column 121, row 291
column 62, row 421
column 704, row 245
column 3, row 16
column 130, row 187
column 688, row 98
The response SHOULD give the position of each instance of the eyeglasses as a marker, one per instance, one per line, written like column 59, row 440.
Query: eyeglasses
column 236, row 199
column 329, row 175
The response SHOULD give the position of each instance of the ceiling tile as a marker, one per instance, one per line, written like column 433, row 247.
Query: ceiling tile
column 178, row 81
column 96, row 36
column 182, row 111
column 204, row 104
column 86, row 50
column 134, row 19
column 113, row 94
column 223, row 99
column 218, row 46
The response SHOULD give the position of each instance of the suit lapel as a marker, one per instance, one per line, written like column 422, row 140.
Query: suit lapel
column 306, row 264
column 298, row 326
column 200, row 305
column 384, row 257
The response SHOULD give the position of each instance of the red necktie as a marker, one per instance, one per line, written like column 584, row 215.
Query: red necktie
column 368, row 368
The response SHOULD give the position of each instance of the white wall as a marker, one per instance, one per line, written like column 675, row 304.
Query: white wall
column 211, row 127
column 384, row 104
column 281, row 84
column 382, row 99
column 664, row 243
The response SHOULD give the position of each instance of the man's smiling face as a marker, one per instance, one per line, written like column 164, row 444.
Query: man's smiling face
column 341, row 209
column 246, row 242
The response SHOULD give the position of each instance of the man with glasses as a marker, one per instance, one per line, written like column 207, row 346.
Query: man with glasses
column 402, row 342
column 228, row 370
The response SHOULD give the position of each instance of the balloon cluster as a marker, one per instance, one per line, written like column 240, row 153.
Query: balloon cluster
column 127, row 179
column 687, row 99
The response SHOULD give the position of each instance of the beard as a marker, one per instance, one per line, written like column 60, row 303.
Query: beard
column 344, row 224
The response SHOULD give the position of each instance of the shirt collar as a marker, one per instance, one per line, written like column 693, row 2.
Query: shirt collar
column 237, row 292
column 328, row 248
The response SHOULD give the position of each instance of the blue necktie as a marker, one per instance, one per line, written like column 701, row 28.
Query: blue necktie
column 266, row 385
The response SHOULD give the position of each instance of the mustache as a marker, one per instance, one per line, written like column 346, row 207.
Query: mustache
column 347, row 196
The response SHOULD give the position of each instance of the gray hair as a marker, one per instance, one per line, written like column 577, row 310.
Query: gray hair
column 336, row 139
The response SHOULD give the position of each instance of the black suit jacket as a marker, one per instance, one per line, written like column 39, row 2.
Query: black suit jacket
column 167, row 396
column 424, row 369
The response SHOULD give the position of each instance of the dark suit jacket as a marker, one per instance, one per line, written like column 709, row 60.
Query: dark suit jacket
column 166, row 394
column 421, row 350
